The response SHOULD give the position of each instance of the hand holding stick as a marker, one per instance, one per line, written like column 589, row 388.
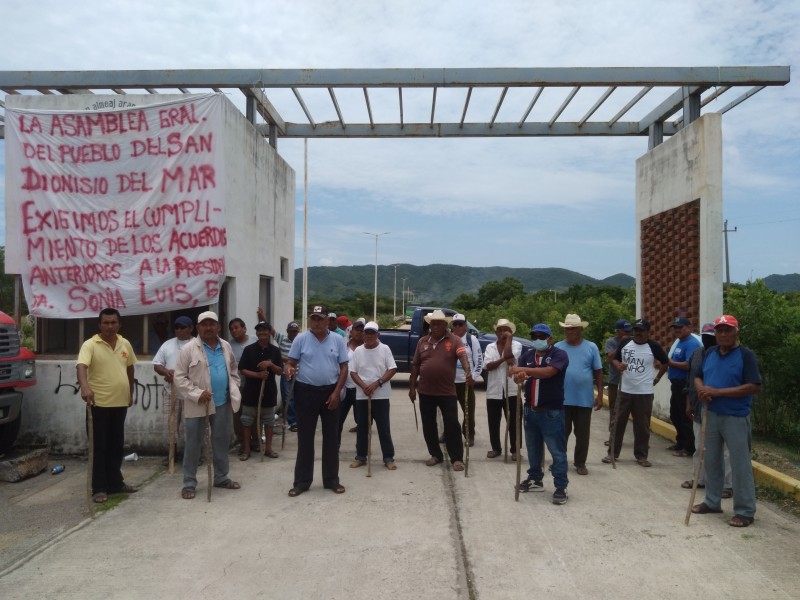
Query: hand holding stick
column 172, row 431
column 519, row 441
column 90, row 467
column 208, row 454
column 369, row 436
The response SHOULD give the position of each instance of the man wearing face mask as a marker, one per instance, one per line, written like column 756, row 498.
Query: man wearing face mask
column 542, row 369
column 642, row 362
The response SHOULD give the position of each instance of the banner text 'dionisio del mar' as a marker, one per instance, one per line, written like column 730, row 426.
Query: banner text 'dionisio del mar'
column 121, row 209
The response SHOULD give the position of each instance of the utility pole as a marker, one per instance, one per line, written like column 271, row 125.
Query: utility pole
column 727, row 258
column 394, row 294
column 375, row 296
column 403, row 307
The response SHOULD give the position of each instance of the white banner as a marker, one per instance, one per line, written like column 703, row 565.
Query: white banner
column 122, row 209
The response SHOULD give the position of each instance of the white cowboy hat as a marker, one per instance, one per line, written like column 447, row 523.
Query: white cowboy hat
column 505, row 323
column 573, row 321
column 437, row 315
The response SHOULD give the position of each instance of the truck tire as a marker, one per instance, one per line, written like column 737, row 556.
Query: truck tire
column 8, row 434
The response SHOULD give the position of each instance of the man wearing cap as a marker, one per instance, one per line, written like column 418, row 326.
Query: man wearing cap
column 542, row 369
column 678, row 371
column 167, row 355
column 353, row 341
column 636, row 359
column 260, row 363
column 105, row 375
column 501, row 391
column 318, row 360
column 466, row 393
column 434, row 363
column 287, row 400
column 622, row 329
column 694, row 411
column 585, row 371
column 726, row 385
column 207, row 378
column 371, row 367
column 333, row 324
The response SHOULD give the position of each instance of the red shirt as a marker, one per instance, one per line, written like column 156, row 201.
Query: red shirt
column 436, row 364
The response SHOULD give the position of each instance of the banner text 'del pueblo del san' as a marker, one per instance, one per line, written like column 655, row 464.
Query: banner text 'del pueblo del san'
column 120, row 209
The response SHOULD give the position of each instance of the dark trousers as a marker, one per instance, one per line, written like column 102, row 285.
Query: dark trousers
column 461, row 393
column 309, row 401
column 109, row 442
column 430, row 430
column 613, row 389
column 344, row 408
column 495, row 410
column 578, row 418
column 380, row 415
column 641, row 407
column 684, row 439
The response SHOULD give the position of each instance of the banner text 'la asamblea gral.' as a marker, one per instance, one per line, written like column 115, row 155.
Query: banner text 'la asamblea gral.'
column 122, row 208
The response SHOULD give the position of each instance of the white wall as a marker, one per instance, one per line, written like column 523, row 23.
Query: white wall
column 684, row 168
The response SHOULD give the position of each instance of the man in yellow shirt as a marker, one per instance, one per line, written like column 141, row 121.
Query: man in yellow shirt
column 105, row 376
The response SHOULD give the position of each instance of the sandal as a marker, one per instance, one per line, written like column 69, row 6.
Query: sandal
column 296, row 491
column 493, row 453
column 433, row 461
column 458, row 466
column 187, row 493
column 270, row 453
column 740, row 521
column 337, row 489
column 100, row 497
column 704, row 509
column 390, row 465
column 643, row 462
column 687, row 485
column 244, row 456
column 228, row 484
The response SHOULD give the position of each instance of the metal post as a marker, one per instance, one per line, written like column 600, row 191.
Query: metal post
column 403, row 302
column 727, row 259
column 375, row 292
column 394, row 294
column 305, row 233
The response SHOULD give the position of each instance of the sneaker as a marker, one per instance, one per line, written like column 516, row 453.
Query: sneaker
column 529, row 485
column 560, row 496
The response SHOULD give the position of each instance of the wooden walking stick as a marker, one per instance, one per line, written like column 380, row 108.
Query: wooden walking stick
column 416, row 420
column 505, row 442
column 172, row 433
column 208, row 454
column 699, row 469
column 369, row 436
column 258, row 418
column 467, row 391
column 519, row 441
column 90, row 468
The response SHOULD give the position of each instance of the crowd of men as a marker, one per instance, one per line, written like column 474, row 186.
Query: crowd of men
column 551, row 387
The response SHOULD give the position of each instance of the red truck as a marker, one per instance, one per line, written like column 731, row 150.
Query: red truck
column 17, row 370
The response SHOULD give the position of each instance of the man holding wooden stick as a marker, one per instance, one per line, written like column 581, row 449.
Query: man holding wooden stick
column 105, row 375
column 164, row 365
column 207, row 378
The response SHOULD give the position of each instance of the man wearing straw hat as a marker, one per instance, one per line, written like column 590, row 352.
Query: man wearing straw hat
column 501, row 391
column 585, row 371
column 434, row 364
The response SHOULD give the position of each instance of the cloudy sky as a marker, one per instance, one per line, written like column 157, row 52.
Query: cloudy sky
column 537, row 202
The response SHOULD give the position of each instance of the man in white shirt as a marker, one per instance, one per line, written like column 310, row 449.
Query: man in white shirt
column 501, row 391
column 464, row 393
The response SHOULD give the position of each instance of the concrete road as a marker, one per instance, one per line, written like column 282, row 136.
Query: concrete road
column 418, row 532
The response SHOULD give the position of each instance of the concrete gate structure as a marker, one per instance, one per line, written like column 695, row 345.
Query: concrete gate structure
column 678, row 181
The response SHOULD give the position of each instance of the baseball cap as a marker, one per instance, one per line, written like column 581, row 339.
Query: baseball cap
column 541, row 328
column 359, row 324
column 681, row 322
column 207, row 315
column 319, row 310
column 343, row 322
column 459, row 317
column 263, row 325
column 623, row 324
column 708, row 329
column 293, row 325
column 641, row 324
column 332, row 315
column 183, row 321
column 371, row 326
column 726, row 320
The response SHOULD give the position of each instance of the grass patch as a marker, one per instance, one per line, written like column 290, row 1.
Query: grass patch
column 779, row 498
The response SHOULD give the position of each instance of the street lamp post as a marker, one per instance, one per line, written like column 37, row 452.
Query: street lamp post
column 403, row 301
column 375, row 293
column 394, row 294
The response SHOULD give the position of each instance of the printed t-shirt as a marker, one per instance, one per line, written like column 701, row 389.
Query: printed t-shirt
column 436, row 364
column 640, row 373
column 545, row 393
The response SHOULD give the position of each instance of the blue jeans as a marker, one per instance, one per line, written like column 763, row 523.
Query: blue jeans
column 287, row 401
column 546, row 427
column 194, row 430
column 380, row 415
column 733, row 432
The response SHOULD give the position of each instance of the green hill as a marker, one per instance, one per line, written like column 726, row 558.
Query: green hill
column 437, row 283
column 783, row 283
